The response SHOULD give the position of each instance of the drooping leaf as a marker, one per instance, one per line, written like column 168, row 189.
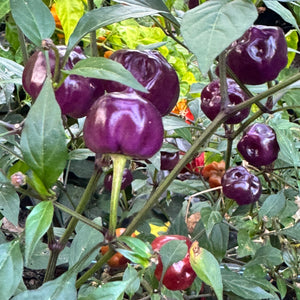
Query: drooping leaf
column 69, row 12
column 34, row 19
column 207, row 268
column 104, row 16
column 217, row 23
column 11, row 268
column 37, row 224
column 103, row 68
column 43, row 141
column 61, row 288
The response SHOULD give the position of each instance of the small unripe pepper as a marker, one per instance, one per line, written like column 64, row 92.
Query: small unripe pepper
column 241, row 186
column 123, row 123
column 259, row 55
column 154, row 72
column 259, row 145
column 211, row 100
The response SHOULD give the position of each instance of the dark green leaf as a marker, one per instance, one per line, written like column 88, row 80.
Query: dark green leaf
column 237, row 284
column 104, row 16
column 217, row 23
column 207, row 268
column 37, row 224
column 273, row 205
column 129, row 273
column 85, row 239
column 34, row 19
column 266, row 255
column 61, row 288
column 9, row 201
column 282, row 286
column 210, row 218
column 246, row 245
column 171, row 123
column 11, row 268
column 185, row 133
column 172, row 252
column 154, row 4
column 43, row 141
column 103, row 68
column 219, row 240
column 292, row 232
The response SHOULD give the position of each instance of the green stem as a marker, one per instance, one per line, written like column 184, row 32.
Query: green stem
column 93, row 37
column 22, row 45
column 50, row 268
column 223, row 81
column 119, row 162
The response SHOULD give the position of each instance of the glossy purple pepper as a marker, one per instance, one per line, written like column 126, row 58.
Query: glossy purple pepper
column 259, row 55
column 168, row 160
column 193, row 3
column 154, row 72
column 211, row 100
column 123, row 123
column 126, row 180
column 76, row 94
column 241, row 186
column 259, row 145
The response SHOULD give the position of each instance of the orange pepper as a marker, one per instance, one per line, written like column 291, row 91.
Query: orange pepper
column 108, row 53
column 213, row 173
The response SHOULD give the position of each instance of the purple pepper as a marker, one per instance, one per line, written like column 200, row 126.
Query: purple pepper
column 259, row 55
column 211, row 100
column 123, row 123
column 241, row 186
column 259, row 145
column 168, row 160
column 76, row 94
column 126, row 180
column 154, row 72
column 193, row 3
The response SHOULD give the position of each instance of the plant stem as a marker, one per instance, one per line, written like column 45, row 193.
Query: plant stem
column 22, row 45
column 93, row 37
column 223, row 81
column 69, row 230
column 119, row 162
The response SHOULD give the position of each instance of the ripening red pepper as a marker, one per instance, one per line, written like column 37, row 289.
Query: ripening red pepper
column 196, row 165
column 154, row 72
column 76, row 94
column 180, row 275
column 123, row 123
column 259, row 55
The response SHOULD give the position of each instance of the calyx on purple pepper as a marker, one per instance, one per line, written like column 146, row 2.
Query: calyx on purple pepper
column 259, row 145
column 211, row 100
column 259, row 55
column 76, row 94
column 154, row 72
column 123, row 123
column 241, row 186
column 126, row 180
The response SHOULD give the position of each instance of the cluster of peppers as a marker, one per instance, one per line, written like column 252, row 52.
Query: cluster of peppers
column 125, row 123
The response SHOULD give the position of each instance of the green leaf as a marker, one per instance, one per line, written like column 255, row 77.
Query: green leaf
column 207, row 268
column 212, row 26
column 11, row 268
column 43, row 141
column 129, row 273
column 273, row 205
column 172, row 252
column 153, row 4
column 85, row 239
column 37, row 224
column 292, row 43
column 283, row 12
column 61, row 288
column 137, row 246
column 237, row 284
column 209, row 218
column 171, row 123
column 266, row 255
column 12, row 67
column 292, row 232
column 9, row 200
column 218, row 240
column 34, row 19
column 4, row 8
column 69, row 12
column 246, row 245
column 103, row 68
column 104, row 16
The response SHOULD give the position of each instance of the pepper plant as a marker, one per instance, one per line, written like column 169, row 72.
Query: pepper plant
column 149, row 149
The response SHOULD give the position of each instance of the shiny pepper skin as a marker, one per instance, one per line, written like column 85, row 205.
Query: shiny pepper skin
column 154, row 72
column 193, row 3
column 76, row 94
column 259, row 145
column 126, row 180
column 259, row 55
column 241, row 186
column 168, row 160
column 213, row 173
column 211, row 100
column 180, row 275
column 123, row 123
